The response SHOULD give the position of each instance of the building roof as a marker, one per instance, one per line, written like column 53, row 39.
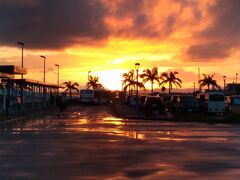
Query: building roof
column 4, row 75
column 33, row 82
column 233, row 86
column 11, row 69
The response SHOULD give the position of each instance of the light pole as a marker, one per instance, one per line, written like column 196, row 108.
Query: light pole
column 194, row 89
column 57, row 65
column 88, row 75
column 22, row 45
column 44, row 71
column 137, row 68
column 236, row 77
column 200, row 88
column 224, row 82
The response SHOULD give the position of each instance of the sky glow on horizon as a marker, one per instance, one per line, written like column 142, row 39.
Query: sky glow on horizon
column 109, row 37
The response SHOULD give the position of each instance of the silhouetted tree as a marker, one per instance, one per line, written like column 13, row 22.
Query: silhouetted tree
column 208, row 81
column 127, row 81
column 71, row 86
column 93, row 82
column 134, row 84
column 171, row 79
column 150, row 75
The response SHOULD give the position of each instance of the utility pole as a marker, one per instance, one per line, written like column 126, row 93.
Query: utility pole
column 44, row 68
column 200, row 89
column 22, row 45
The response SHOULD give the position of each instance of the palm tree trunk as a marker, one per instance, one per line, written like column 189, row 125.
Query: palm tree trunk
column 169, row 88
column 129, row 91
column 70, row 93
column 152, row 88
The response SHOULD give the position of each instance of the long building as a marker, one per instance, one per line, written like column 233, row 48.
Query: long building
column 22, row 95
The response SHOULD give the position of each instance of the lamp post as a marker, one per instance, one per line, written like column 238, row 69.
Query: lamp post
column 200, row 88
column 44, row 64
column 194, row 89
column 236, row 77
column 224, row 82
column 137, row 68
column 22, row 45
column 57, row 65
column 88, row 75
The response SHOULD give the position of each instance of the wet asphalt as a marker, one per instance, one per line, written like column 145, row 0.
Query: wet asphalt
column 92, row 143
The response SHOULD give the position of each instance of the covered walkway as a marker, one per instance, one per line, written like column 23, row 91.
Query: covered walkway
column 23, row 95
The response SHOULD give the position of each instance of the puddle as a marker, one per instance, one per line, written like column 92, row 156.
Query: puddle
column 133, row 129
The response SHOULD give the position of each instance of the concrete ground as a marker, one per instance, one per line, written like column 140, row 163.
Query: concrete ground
column 91, row 143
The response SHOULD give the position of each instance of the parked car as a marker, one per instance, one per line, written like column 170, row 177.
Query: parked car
column 133, row 101
column 153, row 105
column 167, row 101
column 174, row 103
column 87, row 96
column 202, row 102
column 235, row 103
column 141, row 101
column 187, row 103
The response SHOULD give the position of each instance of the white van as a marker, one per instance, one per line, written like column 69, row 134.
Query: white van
column 87, row 96
column 216, row 102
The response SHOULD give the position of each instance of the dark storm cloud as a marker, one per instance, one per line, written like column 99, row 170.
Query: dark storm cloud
column 205, row 51
column 223, row 35
column 51, row 24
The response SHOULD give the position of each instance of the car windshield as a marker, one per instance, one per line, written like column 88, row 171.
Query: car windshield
column 167, row 98
column 142, row 99
column 86, row 91
column 154, row 100
column 216, row 97
column 187, row 99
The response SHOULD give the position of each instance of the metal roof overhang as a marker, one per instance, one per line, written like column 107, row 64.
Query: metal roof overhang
column 33, row 82
column 11, row 69
column 4, row 75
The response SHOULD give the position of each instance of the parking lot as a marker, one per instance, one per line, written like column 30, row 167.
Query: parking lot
column 92, row 143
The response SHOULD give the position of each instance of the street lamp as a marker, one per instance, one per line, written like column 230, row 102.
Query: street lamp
column 137, row 68
column 22, row 44
column 57, row 65
column 194, row 89
column 44, row 71
column 236, row 77
column 88, row 75
column 224, row 82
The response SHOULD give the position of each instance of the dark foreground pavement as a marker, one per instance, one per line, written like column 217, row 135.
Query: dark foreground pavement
column 91, row 143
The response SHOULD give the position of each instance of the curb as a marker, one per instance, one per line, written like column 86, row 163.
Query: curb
column 11, row 121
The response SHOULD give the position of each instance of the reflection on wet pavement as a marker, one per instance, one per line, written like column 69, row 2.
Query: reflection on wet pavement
column 134, row 129
column 93, row 143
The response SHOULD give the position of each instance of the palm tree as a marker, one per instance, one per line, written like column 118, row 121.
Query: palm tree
column 70, row 86
column 208, row 81
column 127, row 81
column 150, row 75
column 134, row 84
column 93, row 82
column 171, row 79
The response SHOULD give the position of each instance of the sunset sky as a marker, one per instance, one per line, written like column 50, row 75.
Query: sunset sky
column 107, row 37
